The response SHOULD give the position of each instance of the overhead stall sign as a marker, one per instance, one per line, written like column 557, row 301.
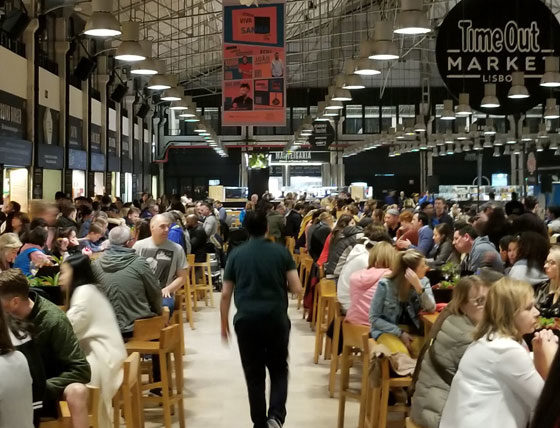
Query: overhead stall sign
column 254, row 64
column 482, row 41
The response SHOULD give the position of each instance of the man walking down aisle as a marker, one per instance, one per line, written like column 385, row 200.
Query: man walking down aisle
column 258, row 272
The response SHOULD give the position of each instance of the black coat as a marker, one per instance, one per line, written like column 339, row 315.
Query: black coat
column 293, row 223
column 198, row 243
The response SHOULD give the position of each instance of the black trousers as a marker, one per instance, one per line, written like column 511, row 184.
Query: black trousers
column 263, row 344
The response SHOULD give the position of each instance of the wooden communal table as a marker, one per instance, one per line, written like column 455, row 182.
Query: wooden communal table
column 428, row 320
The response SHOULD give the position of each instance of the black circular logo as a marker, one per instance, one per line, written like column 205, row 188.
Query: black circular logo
column 484, row 41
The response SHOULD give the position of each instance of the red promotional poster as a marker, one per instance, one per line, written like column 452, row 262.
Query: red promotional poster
column 254, row 64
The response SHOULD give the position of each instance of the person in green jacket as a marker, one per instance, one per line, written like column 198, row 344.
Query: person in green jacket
column 66, row 368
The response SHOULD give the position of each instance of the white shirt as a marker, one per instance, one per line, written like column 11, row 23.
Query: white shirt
column 277, row 68
column 496, row 386
column 357, row 260
column 16, row 397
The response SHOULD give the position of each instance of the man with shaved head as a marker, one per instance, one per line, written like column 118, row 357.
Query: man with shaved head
column 167, row 259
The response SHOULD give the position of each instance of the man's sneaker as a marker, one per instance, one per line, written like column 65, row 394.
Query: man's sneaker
column 273, row 423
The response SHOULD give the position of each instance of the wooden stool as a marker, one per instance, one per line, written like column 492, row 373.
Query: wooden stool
column 410, row 424
column 352, row 343
column 64, row 419
column 305, row 277
column 205, row 286
column 169, row 345
column 129, row 397
column 376, row 400
column 188, row 292
column 326, row 290
column 316, row 298
column 291, row 245
column 177, row 317
column 338, row 319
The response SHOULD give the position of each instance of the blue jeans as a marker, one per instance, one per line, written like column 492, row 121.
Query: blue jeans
column 170, row 303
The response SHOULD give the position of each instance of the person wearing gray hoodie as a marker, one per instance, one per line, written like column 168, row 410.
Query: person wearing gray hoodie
column 480, row 252
column 128, row 281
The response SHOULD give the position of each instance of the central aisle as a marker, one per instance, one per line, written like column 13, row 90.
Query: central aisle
column 215, row 391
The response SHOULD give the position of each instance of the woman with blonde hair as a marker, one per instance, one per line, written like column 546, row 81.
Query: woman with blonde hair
column 449, row 339
column 497, row 383
column 398, row 300
column 363, row 283
column 9, row 248
column 548, row 295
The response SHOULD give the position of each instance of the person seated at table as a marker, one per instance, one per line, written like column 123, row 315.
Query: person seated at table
column 449, row 338
column 443, row 246
column 497, row 383
column 548, row 294
column 480, row 252
column 357, row 259
column 96, row 328
column 532, row 253
column 9, row 248
column 503, row 247
column 32, row 254
column 420, row 223
column 547, row 413
column 65, row 243
column 96, row 231
column 65, row 364
column 364, row 282
column 397, row 302
column 16, row 397
column 406, row 231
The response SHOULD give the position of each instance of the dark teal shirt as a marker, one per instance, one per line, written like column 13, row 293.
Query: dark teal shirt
column 258, row 269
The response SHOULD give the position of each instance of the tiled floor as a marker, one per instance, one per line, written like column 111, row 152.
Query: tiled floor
column 215, row 392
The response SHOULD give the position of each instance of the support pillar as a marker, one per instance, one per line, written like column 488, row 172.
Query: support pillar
column 32, row 87
column 61, row 49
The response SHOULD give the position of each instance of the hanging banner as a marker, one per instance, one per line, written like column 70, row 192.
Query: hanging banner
column 481, row 41
column 254, row 64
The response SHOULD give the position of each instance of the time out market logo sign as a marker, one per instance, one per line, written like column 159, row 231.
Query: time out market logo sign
column 484, row 41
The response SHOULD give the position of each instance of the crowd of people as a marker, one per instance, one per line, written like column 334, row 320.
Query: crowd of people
column 387, row 259
column 120, row 262
column 116, row 263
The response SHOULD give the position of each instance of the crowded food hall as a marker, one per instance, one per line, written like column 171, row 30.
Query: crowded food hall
column 269, row 213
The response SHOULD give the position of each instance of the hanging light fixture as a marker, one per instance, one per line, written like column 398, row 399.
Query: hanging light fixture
column 551, row 110
column 526, row 134
column 160, row 81
column 340, row 94
column 423, row 145
column 193, row 119
column 420, row 126
column 383, row 48
column 432, row 143
column 353, row 81
column 487, row 142
column 147, row 67
column 557, row 152
column 518, row 89
column 173, row 94
column 181, row 104
column 553, row 144
column 551, row 76
column 458, row 149
column 463, row 108
column 477, row 146
column 102, row 22
column 510, row 139
column 499, row 141
column 490, row 100
column 543, row 133
column 412, row 19
column 496, row 153
column 447, row 113
column 130, row 50
column 334, row 105
column 463, row 135
column 442, row 151
column 489, row 128
column 450, row 149
column 467, row 147
column 517, row 149
column 435, row 153
column 366, row 67
column 507, row 151
column 539, row 147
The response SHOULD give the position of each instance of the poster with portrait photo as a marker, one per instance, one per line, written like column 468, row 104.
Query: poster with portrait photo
column 238, row 95
column 238, row 68
column 269, row 63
